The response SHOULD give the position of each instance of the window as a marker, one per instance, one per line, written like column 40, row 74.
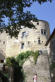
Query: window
column 28, row 42
column 43, row 31
column 3, row 42
column 38, row 40
column 0, row 40
column 16, row 37
column 42, row 41
column 1, row 61
column 22, row 45
column 40, row 52
column 37, row 23
column 23, row 34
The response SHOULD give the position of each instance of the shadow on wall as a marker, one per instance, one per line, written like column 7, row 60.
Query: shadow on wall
column 2, row 56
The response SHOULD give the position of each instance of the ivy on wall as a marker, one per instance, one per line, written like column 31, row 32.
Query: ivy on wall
column 22, row 57
column 16, row 65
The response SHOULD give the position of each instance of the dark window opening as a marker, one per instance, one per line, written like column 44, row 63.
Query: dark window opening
column 22, row 45
column 40, row 52
column 23, row 34
column 42, row 41
column 38, row 40
column 44, row 32
column 28, row 42
column 16, row 37
column 1, row 61
column 3, row 42
column 37, row 23
column 41, row 31
column 0, row 40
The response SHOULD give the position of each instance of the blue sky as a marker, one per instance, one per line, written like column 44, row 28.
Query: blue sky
column 45, row 11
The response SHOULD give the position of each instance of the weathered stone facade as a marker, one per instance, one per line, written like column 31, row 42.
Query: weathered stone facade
column 28, row 39
column 51, row 45
column 41, row 68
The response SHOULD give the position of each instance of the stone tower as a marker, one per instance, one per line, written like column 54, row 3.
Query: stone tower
column 35, row 38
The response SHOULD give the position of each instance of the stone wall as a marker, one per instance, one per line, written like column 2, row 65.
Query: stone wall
column 32, row 39
column 52, row 48
column 41, row 68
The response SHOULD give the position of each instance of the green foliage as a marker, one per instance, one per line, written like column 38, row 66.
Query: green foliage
column 18, row 75
column 9, row 8
column 8, row 61
column 35, row 56
column 14, row 11
column 52, row 66
column 6, row 75
column 22, row 57
column 3, row 77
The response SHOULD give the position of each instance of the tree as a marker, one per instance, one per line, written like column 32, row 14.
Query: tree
column 16, row 72
column 3, row 78
column 14, row 11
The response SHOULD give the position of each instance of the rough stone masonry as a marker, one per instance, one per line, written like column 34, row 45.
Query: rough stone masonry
column 41, row 68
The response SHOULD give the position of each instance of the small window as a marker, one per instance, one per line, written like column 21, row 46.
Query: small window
column 37, row 23
column 0, row 40
column 28, row 42
column 23, row 34
column 16, row 37
column 2, row 61
column 3, row 42
column 44, row 32
column 38, row 40
column 40, row 52
column 41, row 31
column 22, row 45
column 42, row 41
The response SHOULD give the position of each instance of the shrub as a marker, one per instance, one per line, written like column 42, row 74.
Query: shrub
column 22, row 57
column 16, row 72
column 52, row 66
column 35, row 56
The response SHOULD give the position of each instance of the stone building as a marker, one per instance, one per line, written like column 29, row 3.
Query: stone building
column 51, row 45
column 28, row 39
column 34, row 39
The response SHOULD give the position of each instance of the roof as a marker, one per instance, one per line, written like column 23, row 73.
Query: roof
column 51, row 36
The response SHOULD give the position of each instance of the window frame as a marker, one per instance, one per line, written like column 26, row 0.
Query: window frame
column 22, row 45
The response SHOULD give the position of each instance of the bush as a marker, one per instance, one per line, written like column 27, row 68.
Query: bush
column 22, row 57
column 35, row 56
column 16, row 72
column 52, row 66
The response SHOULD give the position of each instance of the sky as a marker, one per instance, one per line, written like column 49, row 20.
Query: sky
column 45, row 11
